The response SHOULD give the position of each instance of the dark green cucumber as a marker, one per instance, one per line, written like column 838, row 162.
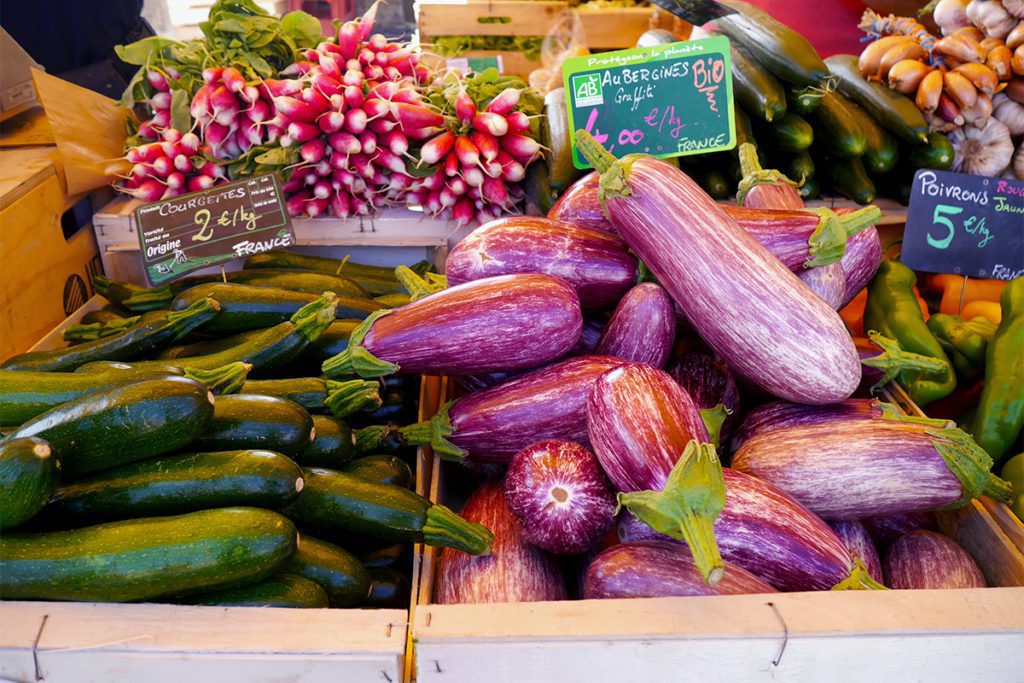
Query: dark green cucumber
column 282, row 590
column 843, row 135
column 882, row 151
column 333, row 444
column 155, row 331
column 123, row 424
column 376, row 280
column 178, row 483
column 847, row 177
column 783, row 51
column 389, row 589
column 804, row 101
column 246, row 421
column 143, row 559
column 105, row 315
column 29, row 471
column 84, row 332
column 244, row 307
column 757, row 91
column 789, row 134
column 799, row 166
column 339, row 502
column 384, row 556
column 382, row 468
column 132, row 297
column 337, row 571
column 937, row 154
column 270, row 349
column 897, row 113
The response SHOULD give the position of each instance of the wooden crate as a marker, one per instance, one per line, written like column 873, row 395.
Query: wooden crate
column 44, row 276
column 974, row 634
column 614, row 28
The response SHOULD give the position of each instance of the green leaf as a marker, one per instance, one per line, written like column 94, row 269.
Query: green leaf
column 134, row 91
column 181, row 119
column 142, row 52
column 301, row 27
column 230, row 26
column 280, row 156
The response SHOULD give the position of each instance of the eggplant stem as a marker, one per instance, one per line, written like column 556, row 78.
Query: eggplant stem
column 893, row 360
column 827, row 244
column 417, row 286
column 969, row 463
column 227, row 379
column 446, row 529
column 859, row 579
column 345, row 398
column 713, row 419
column 434, row 433
column 355, row 359
column 754, row 174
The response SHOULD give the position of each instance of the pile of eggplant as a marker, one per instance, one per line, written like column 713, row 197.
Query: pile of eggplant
column 654, row 403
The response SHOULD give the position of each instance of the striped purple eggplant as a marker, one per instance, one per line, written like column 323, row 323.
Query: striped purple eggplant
column 596, row 264
column 709, row 383
column 515, row 571
column 768, row 533
column 860, row 544
column 650, row 439
column 491, row 426
column 889, row 528
column 589, row 337
column 860, row 262
column 509, row 322
column 770, row 417
column 654, row 569
column 925, row 559
column 560, row 496
column 643, row 327
column 483, row 380
column 862, row 468
column 581, row 206
column 747, row 306
column 828, row 282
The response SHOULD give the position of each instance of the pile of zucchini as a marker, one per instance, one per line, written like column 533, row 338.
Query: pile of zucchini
column 184, row 448
column 817, row 121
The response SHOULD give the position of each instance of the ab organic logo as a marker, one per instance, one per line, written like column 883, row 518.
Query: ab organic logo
column 586, row 90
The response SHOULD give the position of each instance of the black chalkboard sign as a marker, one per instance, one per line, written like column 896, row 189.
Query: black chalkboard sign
column 665, row 100
column 965, row 225
column 193, row 231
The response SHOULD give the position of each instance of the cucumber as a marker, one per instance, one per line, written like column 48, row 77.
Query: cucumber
column 389, row 589
column 790, row 134
column 144, row 559
column 562, row 171
column 897, row 113
column 382, row 469
column 339, row 502
column 156, row 330
column 178, row 483
column 333, row 444
column 385, row 556
column 937, row 154
column 783, row 51
column 337, row 571
column 757, row 91
column 244, row 307
column 848, row 178
column 29, row 471
column 376, row 280
column 123, row 424
column 283, row 590
column 843, row 135
column 882, row 152
column 799, row 167
column 132, row 297
column 804, row 101
column 246, row 421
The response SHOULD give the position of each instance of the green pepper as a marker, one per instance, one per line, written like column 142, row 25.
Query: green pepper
column 1001, row 406
column 964, row 341
column 892, row 310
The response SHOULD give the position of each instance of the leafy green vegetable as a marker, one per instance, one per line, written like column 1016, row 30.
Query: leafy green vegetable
column 453, row 46
column 181, row 119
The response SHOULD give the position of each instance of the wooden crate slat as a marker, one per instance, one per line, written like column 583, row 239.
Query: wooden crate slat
column 614, row 28
column 525, row 18
column 974, row 529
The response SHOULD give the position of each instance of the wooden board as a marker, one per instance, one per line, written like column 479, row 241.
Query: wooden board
column 487, row 18
column 614, row 28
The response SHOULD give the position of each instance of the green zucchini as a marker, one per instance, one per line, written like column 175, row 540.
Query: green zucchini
column 744, row 131
column 848, row 178
column 897, row 113
column 333, row 341
column 340, row 573
column 317, row 395
column 244, row 307
column 376, row 280
column 178, row 483
column 144, row 559
column 123, row 424
column 333, row 444
column 561, row 169
column 789, row 134
column 783, row 51
column 799, row 166
column 339, row 502
column 804, row 101
column 937, row 154
column 843, row 135
column 757, row 91
column 389, row 589
column 83, row 332
column 392, row 300
column 282, row 590
column 29, row 471
column 382, row 468
column 384, row 556
column 156, row 330
column 132, row 297
column 246, row 421
column 105, row 315
column 714, row 180
column 882, row 152
column 206, row 346
column 810, row 188
column 299, row 281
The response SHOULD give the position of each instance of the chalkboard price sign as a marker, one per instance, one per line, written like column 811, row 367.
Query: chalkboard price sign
column 666, row 100
column 966, row 225
column 193, row 231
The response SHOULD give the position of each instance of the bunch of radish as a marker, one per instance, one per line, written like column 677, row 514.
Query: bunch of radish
column 159, row 102
column 171, row 166
column 481, row 157
column 233, row 115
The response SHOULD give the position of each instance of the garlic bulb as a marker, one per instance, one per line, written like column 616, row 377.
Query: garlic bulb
column 1014, row 7
column 1018, row 161
column 1009, row 113
column 981, row 151
column 951, row 15
column 991, row 17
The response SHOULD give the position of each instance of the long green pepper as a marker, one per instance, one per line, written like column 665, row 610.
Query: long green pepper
column 964, row 341
column 892, row 310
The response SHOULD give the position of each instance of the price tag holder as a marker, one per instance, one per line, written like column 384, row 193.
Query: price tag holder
column 966, row 225
column 202, row 229
column 666, row 100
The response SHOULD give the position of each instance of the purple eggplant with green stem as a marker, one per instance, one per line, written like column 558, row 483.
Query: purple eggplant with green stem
column 509, row 322
column 650, row 439
column 864, row 468
column 797, row 348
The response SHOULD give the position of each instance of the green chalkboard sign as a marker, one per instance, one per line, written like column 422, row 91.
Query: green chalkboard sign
column 201, row 229
column 666, row 100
